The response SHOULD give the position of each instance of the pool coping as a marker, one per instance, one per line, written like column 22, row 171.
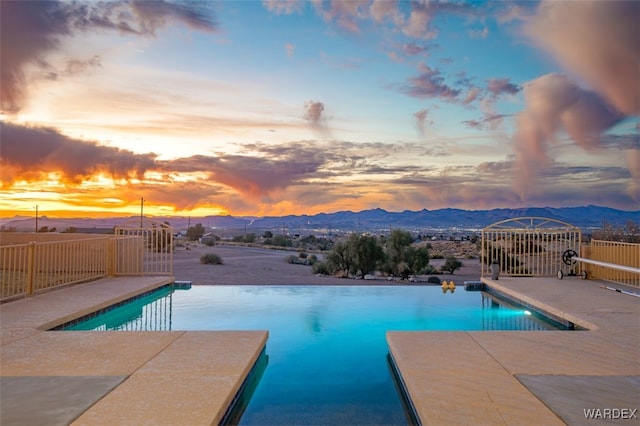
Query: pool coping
column 511, row 355
column 219, row 361
column 27, row 350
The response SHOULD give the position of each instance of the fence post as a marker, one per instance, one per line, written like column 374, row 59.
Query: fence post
column 111, row 257
column 30, row 267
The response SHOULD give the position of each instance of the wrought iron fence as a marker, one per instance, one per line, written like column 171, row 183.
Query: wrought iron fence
column 527, row 246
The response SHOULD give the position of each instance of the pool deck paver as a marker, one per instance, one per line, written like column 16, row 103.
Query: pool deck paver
column 189, row 377
column 481, row 377
column 160, row 377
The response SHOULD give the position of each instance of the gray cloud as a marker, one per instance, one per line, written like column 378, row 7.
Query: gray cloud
column 314, row 115
column 555, row 104
column 283, row 7
column 430, row 83
column 421, row 120
column 598, row 40
column 498, row 86
column 489, row 120
column 32, row 152
column 41, row 27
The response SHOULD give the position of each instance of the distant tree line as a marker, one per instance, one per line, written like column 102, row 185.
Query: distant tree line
column 395, row 255
column 627, row 234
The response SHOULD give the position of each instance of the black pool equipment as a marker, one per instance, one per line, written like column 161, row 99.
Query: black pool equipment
column 569, row 258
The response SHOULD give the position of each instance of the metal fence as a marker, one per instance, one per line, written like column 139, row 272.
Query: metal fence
column 36, row 266
column 528, row 246
column 614, row 253
column 144, row 248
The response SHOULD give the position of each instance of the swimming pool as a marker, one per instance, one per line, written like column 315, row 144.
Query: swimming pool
column 327, row 350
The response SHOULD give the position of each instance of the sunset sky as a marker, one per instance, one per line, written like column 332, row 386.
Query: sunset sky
column 299, row 107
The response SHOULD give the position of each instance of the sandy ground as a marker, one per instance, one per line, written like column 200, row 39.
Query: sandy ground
column 258, row 266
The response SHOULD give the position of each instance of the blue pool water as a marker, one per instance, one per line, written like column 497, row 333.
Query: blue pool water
column 327, row 350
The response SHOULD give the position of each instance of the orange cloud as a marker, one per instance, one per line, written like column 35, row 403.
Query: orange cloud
column 29, row 153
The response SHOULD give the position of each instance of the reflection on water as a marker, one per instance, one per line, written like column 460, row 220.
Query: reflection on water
column 327, row 349
column 424, row 307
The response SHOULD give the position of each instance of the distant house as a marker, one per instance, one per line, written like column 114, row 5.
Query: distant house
column 209, row 238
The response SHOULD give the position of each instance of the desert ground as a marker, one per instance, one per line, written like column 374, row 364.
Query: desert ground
column 259, row 266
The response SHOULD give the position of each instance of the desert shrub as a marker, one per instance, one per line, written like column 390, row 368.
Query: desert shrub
column 210, row 259
column 429, row 270
column 451, row 264
column 437, row 256
column 299, row 260
column 281, row 241
column 303, row 255
column 209, row 242
column 293, row 259
column 433, row 280
column 320, row 268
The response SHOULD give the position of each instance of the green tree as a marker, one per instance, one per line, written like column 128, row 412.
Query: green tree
column 282, row 241
column 403, row 259
column 365, row 253
column 267, row 234
column 339, row 259
column 451, row 264
column 195, row 232
column 608, row 232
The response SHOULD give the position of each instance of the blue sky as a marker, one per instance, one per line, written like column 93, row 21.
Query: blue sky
column 280, row 107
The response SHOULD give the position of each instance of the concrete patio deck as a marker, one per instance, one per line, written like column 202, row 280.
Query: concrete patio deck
column 531, row 377
column 114, row 378
column 189, row 378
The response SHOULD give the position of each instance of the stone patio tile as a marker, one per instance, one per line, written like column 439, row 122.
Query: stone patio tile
column 164, row 399
column 8, row 335
column 559, row 352
column 218, row 353
column 452, row 380
column 566, row 396
column 59, row 400
column 78, row 353
column 192, row 382
column 53, row 308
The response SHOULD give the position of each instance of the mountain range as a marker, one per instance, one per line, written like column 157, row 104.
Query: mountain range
column 586, row 217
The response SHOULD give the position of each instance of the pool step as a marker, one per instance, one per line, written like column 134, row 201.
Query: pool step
column 473, row 285
column 182, row 285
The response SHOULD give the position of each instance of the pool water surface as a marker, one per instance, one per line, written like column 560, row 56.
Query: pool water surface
column 327, row 351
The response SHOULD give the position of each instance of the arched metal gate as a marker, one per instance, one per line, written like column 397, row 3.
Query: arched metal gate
column 529, row 246
column 143, row 247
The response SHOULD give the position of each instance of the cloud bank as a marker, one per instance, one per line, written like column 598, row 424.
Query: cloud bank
column 598, row 41
column 41, row 28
